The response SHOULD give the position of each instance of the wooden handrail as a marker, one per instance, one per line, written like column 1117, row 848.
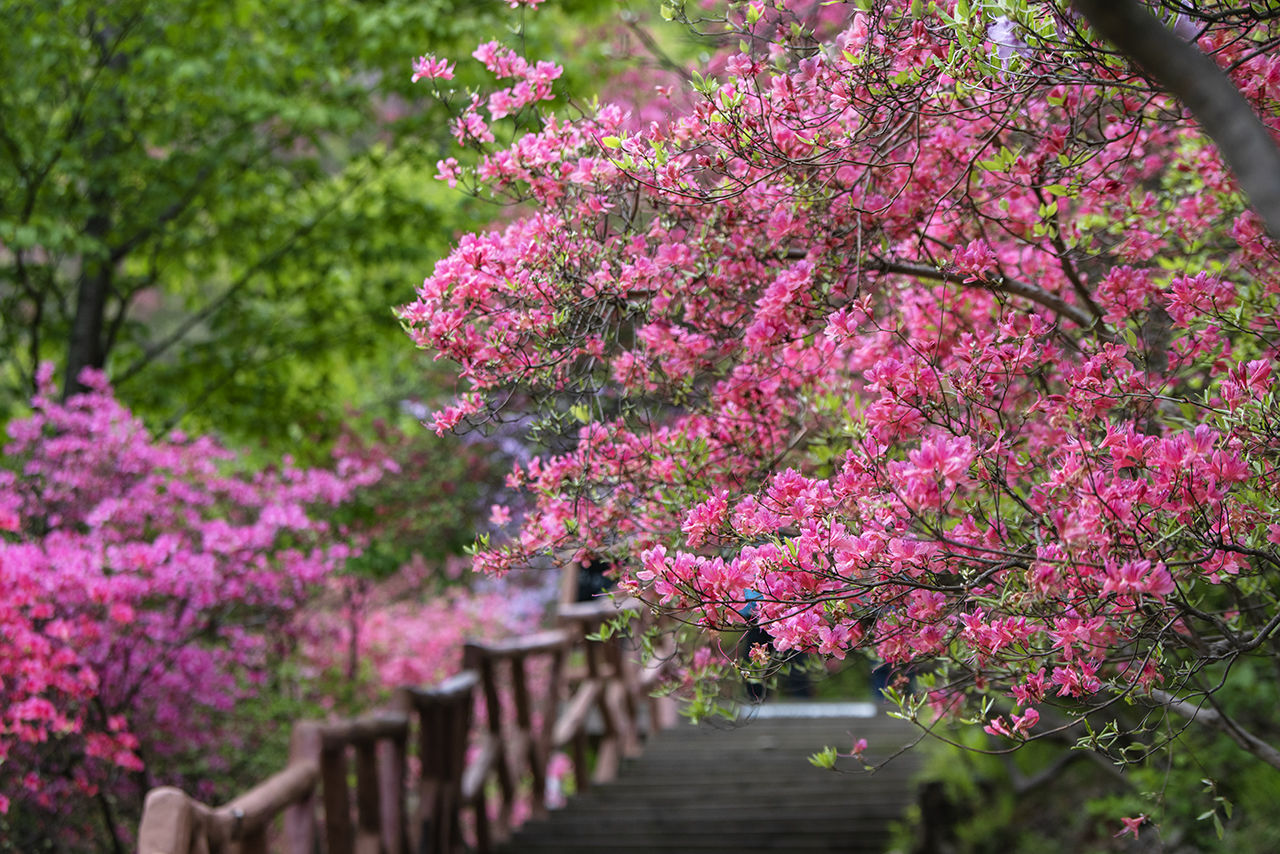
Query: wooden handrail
column 519, row 730
column 573, row 720
column 253, row 811
column 175, row 823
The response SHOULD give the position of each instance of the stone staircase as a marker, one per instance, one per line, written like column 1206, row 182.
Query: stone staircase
column 739, row 787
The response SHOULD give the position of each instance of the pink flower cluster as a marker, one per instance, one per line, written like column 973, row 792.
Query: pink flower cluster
column 145, row 589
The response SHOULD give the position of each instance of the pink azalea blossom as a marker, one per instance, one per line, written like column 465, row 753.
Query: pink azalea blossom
column 431, row 68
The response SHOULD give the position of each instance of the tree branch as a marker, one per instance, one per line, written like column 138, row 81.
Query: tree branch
column 1001, row 284
column 1213, row 718
column 1196, row 80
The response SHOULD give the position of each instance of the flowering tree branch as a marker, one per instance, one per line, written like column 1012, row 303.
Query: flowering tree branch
column 779, row 324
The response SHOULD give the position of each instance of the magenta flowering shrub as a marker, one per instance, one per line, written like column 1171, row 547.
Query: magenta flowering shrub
column 409, row 629
column 945, row 337
column 146, row 588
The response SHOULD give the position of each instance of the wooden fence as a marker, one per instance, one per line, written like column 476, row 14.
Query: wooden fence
column 597, row 695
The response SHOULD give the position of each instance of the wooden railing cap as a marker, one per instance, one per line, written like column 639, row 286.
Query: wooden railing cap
column 455, row 687
column 170, row 819
column 365, row 728
column 546, row 641
column 594, row 610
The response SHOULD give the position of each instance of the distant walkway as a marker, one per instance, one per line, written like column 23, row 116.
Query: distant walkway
column 736, row 788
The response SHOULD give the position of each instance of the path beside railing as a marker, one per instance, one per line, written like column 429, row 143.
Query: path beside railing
column 468, row 752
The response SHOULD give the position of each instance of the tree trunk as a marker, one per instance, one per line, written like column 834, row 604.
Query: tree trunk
column 85, row 347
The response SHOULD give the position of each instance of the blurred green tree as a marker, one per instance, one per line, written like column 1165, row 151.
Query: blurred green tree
column 218, row 202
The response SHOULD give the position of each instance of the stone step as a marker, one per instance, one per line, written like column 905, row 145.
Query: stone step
column 747, row 786
column 859, row 842
column 741, row 787
column 688, row 801
column 761, row 823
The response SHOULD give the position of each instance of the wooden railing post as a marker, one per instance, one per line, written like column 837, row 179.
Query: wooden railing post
column 378, row 742
column 369, row 798
column 444, row 727
column 338, row 833
column 254, row 841
column 392, row 782
column 509, row 750
column 300, row 817
column 492, row 755
column 554, row 697
column 606, row 687
column 169, row 823
column 368, row 806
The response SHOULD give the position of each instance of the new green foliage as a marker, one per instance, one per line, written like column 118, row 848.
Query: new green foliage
column 220, row 202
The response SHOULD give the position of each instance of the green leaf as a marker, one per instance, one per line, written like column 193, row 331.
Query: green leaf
column 825, row 758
